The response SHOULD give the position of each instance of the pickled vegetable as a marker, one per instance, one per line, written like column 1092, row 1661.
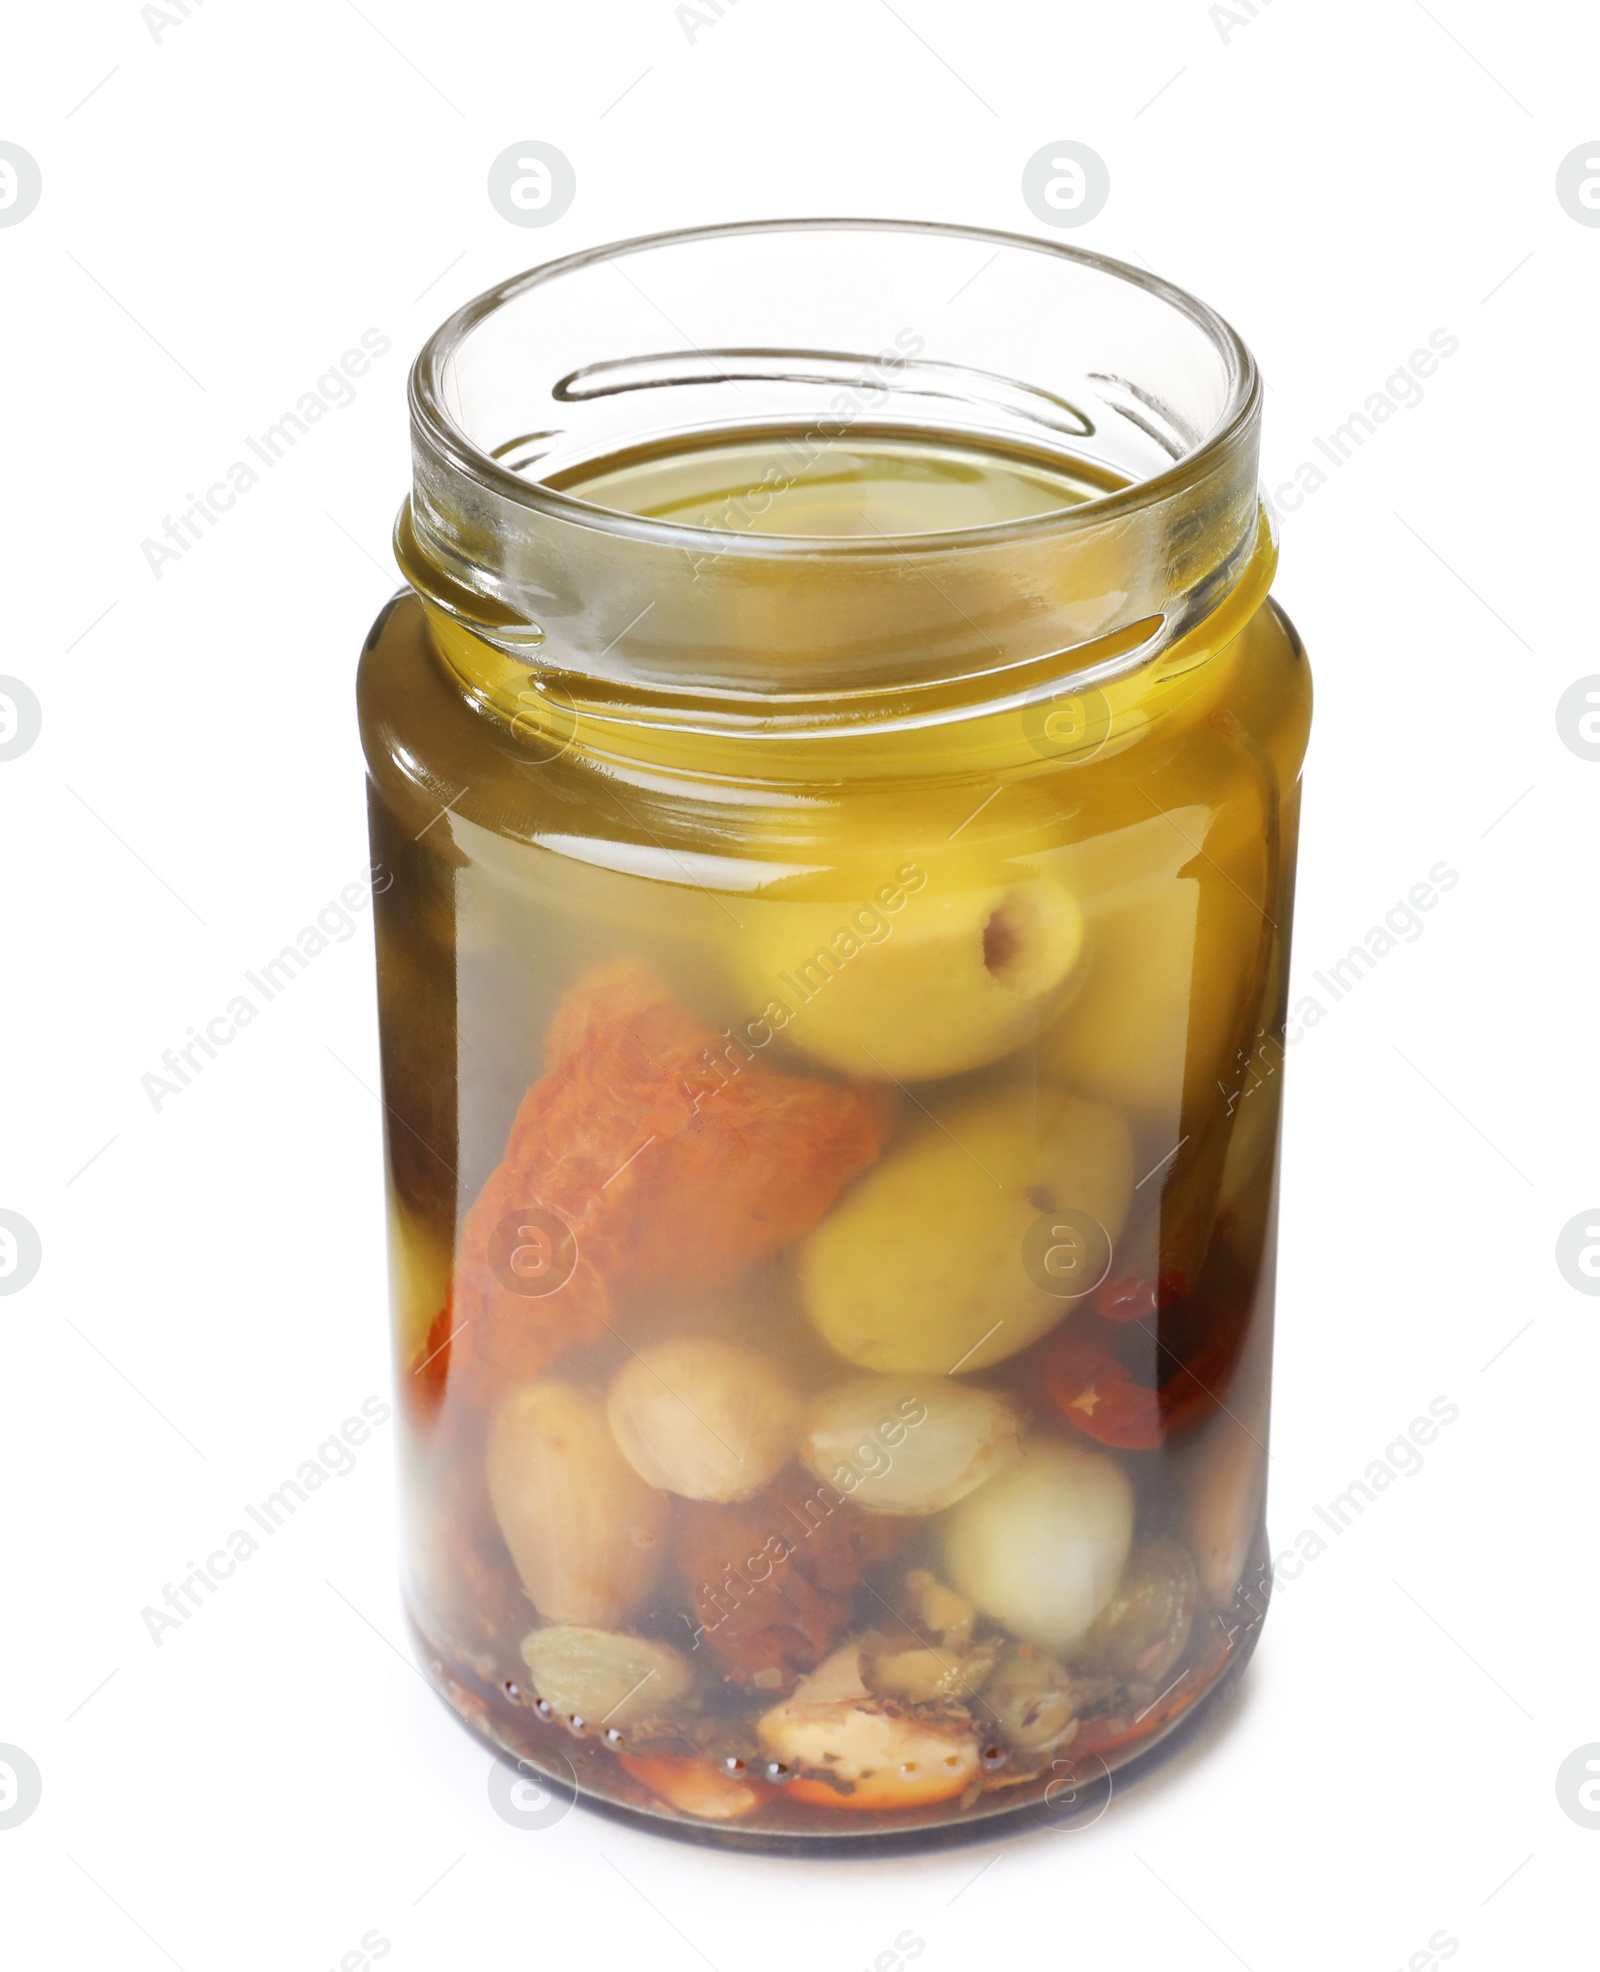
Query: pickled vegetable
column 703, row 1417
column 1042, row 1548
column 1220, row 1477
column 909, row 1444
column 695, row 1787
column 940, row 1609
column 1094, row 1392
column 1031, row 1697
column 771, row 1582
column 586, row 1533
column 1144, row 1628
column 928, row 975
column 600, row 1678
column 635, row 1163
column 1169, row 962
column 858, row 1753
column 922, row 1674
column 1225, row 1482
column 921, row 1267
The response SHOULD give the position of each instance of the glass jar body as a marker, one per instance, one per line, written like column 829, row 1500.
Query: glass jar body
column 832, row 1236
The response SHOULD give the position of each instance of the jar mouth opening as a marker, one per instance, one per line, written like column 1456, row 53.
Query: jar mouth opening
column 441, row 426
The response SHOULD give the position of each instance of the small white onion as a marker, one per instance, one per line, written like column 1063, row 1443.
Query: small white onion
column 1042, row 1547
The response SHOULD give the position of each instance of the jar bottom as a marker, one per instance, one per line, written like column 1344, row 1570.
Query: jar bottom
column 1074, row 1791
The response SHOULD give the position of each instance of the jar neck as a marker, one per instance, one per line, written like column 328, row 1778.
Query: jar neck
column 812, row 331
column 1088, row 702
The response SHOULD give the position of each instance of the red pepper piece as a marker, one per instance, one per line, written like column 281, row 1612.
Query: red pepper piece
column 1195, row 1390
column 652, row 1153
column 423, row 1381
column 1134, row 1297
column 771, row 1579
column 1095, row 1392
column 1204, row 1339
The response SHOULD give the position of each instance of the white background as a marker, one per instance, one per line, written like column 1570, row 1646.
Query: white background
column 233, row 204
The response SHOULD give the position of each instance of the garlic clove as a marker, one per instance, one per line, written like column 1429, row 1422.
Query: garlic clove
column 605, row 1677
column 909, row 1444
column 586, row 1533
column 703, row 1417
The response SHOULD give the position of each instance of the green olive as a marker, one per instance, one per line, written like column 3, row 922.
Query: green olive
column 1142, row 1630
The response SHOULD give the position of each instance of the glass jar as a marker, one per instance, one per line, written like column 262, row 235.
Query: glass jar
column 837, row 765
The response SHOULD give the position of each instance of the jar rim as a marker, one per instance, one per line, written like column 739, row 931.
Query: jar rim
column 444, row 435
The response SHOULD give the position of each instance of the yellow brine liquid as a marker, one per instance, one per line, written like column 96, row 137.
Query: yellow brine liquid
column 870, row 483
